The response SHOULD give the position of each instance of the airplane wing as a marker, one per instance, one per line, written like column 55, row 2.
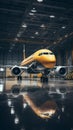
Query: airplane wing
column 16, row 70
column 34, row 68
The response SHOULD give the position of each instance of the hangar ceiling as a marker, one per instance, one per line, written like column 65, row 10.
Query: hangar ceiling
column 47, row 22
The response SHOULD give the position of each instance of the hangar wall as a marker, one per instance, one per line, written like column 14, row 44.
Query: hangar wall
column 11, row 56
column 64, row 55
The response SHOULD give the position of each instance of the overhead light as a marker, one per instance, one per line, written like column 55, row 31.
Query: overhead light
column 9, row 102
column 52, row 16
column 33, row 10
column 24, row 105
column 63, row 108
column 63, row 27
column 22, row 129
column 2, row 69
column 16, row 120
column 36, row 33
column 42, row 26
column 31, row 13
column 1, row 87
column 24, row 25
column 40, row 0
column 12, row 111
column 66, row 35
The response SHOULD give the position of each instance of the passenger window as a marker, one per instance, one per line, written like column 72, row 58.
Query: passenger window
column 45, row 53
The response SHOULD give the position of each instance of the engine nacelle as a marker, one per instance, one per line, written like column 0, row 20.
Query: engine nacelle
column 61, row 71
column 16, row 70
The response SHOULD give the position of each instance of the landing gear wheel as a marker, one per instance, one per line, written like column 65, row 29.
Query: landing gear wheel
column 19, row 78
column 44, row 79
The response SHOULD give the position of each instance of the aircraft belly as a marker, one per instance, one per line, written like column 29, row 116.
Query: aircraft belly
column 49, row 64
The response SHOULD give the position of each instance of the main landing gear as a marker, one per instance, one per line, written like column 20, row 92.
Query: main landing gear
column 19, row 78
column 44, row 79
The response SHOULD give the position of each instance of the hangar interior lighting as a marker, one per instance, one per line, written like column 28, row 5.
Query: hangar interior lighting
column 12, row 111
column 31, row 13
column 63, row 108
column 1, row 87
column 16, row 120
column 24, row 105
column 63, row 27
column 2, row 69
column 42, row 26
column 40, row 0
column 22, row 128
column 9, row 102
column 66, row 35
column 52, row 16
column 36, row 33
column 24, row 25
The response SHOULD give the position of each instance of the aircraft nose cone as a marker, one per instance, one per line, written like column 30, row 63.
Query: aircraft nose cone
column 53, row 59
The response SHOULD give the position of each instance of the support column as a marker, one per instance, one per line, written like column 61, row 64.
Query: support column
column 23, row 51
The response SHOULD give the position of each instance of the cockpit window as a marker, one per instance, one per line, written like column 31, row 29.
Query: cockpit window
column 46, row 53
column 51, row 53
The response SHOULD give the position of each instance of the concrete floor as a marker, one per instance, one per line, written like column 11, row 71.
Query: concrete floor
column 8, row 83
column 37, row 106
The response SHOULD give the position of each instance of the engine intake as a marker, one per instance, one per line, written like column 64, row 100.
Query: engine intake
column 16, row 70
column 61, row 71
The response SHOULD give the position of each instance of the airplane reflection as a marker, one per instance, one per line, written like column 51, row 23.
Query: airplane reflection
column 44, row 101
column 46, row 110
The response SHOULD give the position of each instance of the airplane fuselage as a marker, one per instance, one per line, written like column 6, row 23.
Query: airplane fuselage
column 42, row 61
column 43, row 56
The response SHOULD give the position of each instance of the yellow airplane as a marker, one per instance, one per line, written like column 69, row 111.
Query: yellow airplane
column 45, row 111
column 42, row 61
column 43, row 56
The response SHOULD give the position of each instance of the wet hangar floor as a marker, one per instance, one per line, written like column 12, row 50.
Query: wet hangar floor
column 32, row 105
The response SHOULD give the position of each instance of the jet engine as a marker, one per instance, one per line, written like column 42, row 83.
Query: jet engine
column 61, row 71
column 16, row 70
